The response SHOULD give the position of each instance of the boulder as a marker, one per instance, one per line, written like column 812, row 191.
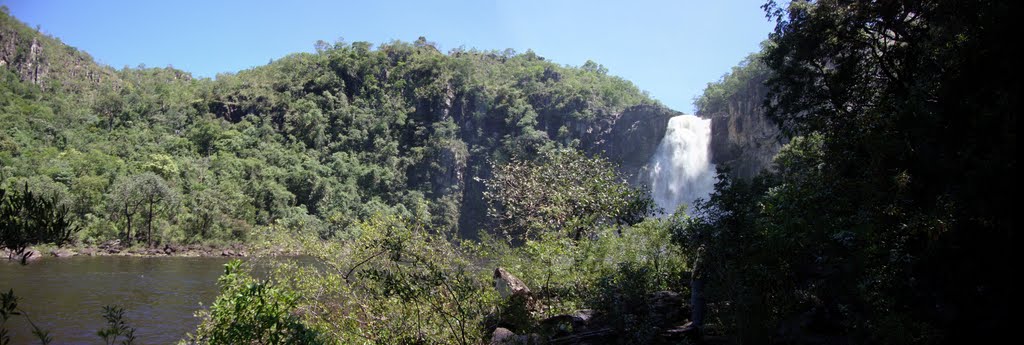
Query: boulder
column 25, row 257
column 110, row 244
column 568, row 324
column 508, row 285
column 62, row 253
column 502, row 336
column 667, row 308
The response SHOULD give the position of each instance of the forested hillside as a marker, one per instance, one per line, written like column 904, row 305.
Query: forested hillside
column 312, row 141
column 867, row 172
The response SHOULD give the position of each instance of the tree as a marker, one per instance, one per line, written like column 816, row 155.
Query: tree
column 28, row 218
column 564, row 191
column 124, row 203
column 207, row 205
column 890, row 219
column 146, row 192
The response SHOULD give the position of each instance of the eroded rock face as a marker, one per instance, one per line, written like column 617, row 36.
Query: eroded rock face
column 742, row 136
column 633, row 138
column 44, row 61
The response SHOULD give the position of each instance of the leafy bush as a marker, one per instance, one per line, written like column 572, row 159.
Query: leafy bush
column 250, row 311
column 391, row 280
column 27, row 218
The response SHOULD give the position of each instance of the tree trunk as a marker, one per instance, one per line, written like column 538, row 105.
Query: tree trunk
column 149, row 224
column 697, row 303
column 128, row 232
column 204, row 226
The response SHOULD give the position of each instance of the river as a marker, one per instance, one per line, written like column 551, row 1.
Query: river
column 66, row 296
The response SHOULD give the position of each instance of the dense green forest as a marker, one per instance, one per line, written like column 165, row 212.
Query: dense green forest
column 311, row 141
column 460, row 197
column 888, row 218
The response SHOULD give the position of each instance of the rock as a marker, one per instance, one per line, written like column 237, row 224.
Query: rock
column 502, row 336
column 27, row 256
column 508, row 285
column 686, row 331
column 227, row 252
column 110, row 244
column 567, row 324
column 520, row 304
column 62, row 253
column 667, row 308
column 742, row 136
column 114, row 251
column 633, row 138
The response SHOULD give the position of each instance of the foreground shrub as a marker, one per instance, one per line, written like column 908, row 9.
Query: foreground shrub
column 249, row 311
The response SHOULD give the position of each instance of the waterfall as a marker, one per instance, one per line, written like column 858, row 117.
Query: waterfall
column 681, row 169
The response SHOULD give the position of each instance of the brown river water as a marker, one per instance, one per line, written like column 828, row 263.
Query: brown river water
column 66, row 296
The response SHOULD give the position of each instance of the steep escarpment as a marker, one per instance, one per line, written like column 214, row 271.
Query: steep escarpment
column 743, row 139
column 44, row 61
column 634, row 138
column 310, row 142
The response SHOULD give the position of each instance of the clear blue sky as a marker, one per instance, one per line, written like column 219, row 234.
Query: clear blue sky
column 670, row 48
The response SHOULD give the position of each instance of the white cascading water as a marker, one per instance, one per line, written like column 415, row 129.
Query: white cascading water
column 681, row 169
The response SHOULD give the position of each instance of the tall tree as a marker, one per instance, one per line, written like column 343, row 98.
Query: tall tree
column 146, row 192
column 890, row 219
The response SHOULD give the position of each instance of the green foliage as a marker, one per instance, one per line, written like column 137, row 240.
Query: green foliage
column 564, row 192
column 743, row 83
column 595, row 272
column 117, row 327
column 28, row 218
column 889, row 217
column 253, row 312
column 8, row 310
column 344, row 133
column 391, row 280
column 146, row 194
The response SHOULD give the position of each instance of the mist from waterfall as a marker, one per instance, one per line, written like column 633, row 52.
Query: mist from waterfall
column 681, row 169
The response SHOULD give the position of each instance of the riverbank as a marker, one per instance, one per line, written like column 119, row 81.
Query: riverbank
column 115, row 248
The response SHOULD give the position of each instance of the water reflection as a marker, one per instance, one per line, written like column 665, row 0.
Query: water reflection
column 66, row 296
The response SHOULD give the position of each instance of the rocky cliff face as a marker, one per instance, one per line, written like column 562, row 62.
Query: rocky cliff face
column 628, row 138
column 45, row 61
column 742, row 137
column 22, row 57
column 633, row 138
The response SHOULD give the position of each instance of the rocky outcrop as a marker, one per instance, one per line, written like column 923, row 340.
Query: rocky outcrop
column 742, row 137
column 508, row 285
column 633, row 138
column 44, row 61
